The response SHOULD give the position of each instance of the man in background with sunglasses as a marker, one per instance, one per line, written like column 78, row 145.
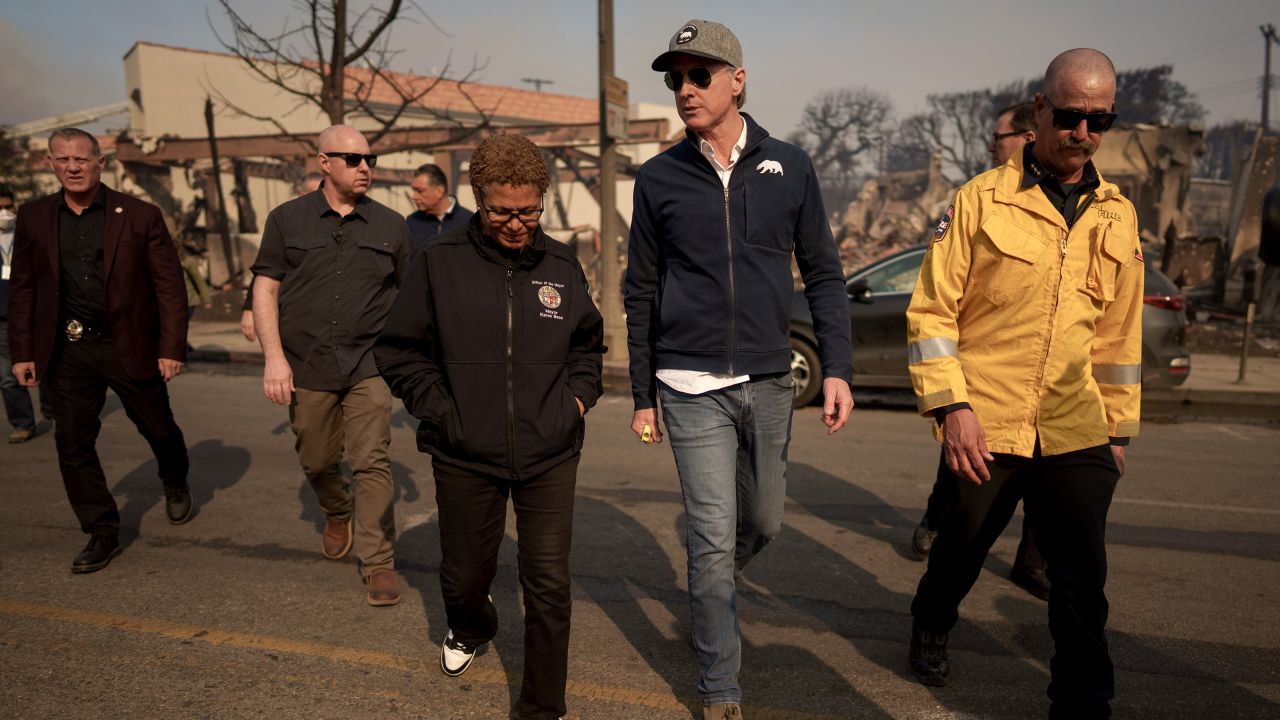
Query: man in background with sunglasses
column 324, row 280
column 1025, row 348
column 717, row 220
column 1015, row 127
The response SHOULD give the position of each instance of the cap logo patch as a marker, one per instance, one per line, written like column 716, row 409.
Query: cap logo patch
column 686, row 34
column 770, row 166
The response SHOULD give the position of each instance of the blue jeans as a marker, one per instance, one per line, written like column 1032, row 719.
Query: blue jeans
column 17, row 400
column 730, row 449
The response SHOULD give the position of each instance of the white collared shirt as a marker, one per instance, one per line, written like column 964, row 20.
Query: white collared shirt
column 697, row 382
column 453, row 203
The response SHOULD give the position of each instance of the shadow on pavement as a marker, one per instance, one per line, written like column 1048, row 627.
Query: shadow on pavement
column 214, row 467
column 603, row 535
column 882, row 614
column 1163, row 677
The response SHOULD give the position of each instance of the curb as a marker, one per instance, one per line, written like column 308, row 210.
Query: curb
column 1196, row 404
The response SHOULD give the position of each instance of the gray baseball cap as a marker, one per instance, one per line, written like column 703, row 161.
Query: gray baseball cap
column 702, row 38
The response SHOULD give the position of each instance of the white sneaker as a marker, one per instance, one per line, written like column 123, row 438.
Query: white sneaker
column 455, row 656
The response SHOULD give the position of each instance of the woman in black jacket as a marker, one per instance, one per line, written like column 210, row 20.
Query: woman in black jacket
column 495, row 345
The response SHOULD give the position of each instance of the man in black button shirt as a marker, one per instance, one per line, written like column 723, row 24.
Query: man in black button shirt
column 438, row 211
column 325, row 277
column 98, row 302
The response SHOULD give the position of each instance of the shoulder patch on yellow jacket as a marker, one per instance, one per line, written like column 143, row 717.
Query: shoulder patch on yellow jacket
column 945, row 223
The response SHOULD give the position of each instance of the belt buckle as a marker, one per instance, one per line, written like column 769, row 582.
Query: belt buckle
column 75, row 330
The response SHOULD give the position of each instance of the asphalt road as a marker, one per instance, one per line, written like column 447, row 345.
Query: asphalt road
column 236, row 615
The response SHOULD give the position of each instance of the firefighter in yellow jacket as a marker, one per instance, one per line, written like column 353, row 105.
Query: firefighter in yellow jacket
column 1025, row 347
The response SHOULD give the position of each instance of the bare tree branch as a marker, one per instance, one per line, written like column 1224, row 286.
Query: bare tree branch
column 340, row 68
column 839, row 129
column 392, row 13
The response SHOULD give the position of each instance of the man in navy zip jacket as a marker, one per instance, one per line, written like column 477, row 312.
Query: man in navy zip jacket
column 715, row 223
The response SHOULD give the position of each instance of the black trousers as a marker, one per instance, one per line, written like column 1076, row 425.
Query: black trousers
column 473, row 516
column 79, row 376
column 942, row 497
column 1066, row 498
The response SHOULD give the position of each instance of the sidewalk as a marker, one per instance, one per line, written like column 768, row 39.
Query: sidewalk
column 1209, row 392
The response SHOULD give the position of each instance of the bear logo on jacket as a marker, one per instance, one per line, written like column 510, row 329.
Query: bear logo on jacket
column 770, row 166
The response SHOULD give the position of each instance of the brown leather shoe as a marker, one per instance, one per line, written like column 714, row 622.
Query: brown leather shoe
column 722, row 711
column 336, row 540
column 383, row 589
column 21, row 435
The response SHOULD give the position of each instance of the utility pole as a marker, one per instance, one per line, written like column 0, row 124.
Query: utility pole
column 537, row 83
column 1268, row 37
column 615, row 328
column 224, row 227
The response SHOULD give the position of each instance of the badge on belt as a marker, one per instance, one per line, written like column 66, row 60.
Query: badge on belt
column 75, row 330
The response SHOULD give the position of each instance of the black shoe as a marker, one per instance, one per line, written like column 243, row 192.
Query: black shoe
column 177, row 503
column 96, row 555
column 927, row 658
column 1033, row 580
column 922, row 541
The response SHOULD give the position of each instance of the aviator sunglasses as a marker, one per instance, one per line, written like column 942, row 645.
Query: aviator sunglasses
column 353, row 159
column 699, row 76
column 1098, row 122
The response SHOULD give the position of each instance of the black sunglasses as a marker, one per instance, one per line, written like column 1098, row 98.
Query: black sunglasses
column 699, row 76
column 353, row 159
column 1098, row 122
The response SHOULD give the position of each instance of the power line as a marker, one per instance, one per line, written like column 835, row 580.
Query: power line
column 1223, row 86
column 1228, row 93
column 1206, row 47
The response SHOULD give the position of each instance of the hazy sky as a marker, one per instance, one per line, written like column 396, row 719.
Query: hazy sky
column 61, row 55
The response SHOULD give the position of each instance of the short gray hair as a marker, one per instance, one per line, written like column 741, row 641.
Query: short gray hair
column 72, row 133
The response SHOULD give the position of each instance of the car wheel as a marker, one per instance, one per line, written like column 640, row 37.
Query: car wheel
column 806, row 371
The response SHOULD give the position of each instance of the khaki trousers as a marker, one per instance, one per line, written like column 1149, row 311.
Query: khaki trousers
column 359, row 419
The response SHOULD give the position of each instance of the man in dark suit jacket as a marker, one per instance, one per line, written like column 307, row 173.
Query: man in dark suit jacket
column 97, row 301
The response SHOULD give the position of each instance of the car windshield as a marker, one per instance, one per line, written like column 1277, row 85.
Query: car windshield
column 894, row 276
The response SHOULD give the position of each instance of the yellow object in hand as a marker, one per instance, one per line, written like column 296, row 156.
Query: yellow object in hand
column 646, row 435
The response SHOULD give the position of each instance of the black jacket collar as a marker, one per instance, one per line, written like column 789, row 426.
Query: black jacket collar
column 530, row 255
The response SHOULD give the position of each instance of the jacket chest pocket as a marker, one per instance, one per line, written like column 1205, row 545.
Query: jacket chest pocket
column 769, row 213
column 375, row 257
column 1109, row 254
column 303, row 253
column 1008, row 262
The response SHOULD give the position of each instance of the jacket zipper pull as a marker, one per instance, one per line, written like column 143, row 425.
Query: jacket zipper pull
column 509, row 293
column 1064, row 245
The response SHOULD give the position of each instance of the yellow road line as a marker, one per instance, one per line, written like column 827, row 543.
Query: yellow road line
column 356, row 656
